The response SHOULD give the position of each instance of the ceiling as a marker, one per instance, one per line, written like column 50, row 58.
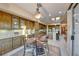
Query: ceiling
column 48, row 10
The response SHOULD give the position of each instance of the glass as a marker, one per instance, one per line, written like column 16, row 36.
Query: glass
column 15, row 24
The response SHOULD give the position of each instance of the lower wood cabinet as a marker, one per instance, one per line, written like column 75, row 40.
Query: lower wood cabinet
column 9, row 44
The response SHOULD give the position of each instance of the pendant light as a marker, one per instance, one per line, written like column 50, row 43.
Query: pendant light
column 38, row 14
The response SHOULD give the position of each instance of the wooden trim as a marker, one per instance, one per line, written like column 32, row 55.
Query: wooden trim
column 19, row 22
column 70, row 6
column 11, row 22
column 75, row 5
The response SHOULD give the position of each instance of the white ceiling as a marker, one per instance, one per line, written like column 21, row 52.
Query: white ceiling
column 46, row 9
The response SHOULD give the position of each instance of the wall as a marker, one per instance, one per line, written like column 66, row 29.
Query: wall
column 69, row 32
column 76, row 40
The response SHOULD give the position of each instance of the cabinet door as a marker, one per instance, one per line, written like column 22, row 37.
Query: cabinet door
column 31, row 25
column 5, row 21
column 22, row 23
column 15, row 22
column 0, row 20
column 16, row 42
column 36, row 26
column 27, row 24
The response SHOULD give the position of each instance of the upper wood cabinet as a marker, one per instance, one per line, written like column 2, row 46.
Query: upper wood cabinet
column 27, row 24
column 36, row 26
column 22, row 23
column 15, row 22
column 5, row 20
column 8, row 21
column 41, row 26
column 31, row 24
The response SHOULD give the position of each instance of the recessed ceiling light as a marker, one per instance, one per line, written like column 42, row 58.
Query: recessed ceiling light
column 53, row 19
column 49, row 14
column 57, row 18
column 59, row 12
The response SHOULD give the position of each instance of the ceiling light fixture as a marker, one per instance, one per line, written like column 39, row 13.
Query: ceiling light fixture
column 59, row 12
column 38, row 14
column 57, row 18
column 49, row 14
column 53, row 19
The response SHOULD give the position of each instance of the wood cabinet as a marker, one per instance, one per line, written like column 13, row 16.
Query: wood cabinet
column 27, row 24
column 41, row 26
column 31, row 24
column 36, row 26
column 9, row 21
column 22, row 23
column 15, row 22
column 5, row 20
